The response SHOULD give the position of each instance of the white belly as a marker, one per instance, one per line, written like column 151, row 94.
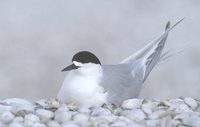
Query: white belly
column 82, row 90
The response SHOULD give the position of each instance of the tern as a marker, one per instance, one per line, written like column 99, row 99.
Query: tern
column 91, row 83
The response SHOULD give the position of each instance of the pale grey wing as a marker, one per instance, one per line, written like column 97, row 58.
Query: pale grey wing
column 120, row 82
column 150, row 55
column 142, row 52
column 153, row 56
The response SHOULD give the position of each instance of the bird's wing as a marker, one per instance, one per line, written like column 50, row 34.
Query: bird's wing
column 119, row 82
column 150, row 55
column 139, row 54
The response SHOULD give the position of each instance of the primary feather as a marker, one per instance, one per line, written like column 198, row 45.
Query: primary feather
column 124, row 80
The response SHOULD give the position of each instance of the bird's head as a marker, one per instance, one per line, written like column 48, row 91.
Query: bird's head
column 84, row 61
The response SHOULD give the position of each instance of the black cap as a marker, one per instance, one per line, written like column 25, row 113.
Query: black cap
column 82, row 57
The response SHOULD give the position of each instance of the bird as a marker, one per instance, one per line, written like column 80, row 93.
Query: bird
column 91, row 83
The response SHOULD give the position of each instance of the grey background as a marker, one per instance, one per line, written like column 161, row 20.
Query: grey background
column 39, row 37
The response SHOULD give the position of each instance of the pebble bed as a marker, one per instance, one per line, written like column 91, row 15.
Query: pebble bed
column 181, row 112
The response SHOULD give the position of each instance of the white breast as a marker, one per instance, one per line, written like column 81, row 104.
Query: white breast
column 81, row 87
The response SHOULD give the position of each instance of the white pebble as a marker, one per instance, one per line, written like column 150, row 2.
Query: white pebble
column 80, row 118
column 166, row 121
column 62, row 117
column 19, row 119
column 135, row 114
column 118, row 124
column 110, row 118
column 132, row 103
column 153, row 123
column 117, row 111
column 22, row 110
column 38, row 125
column 189, row 119
column 30, row 118
column 16, row 124
column 4, row 108
column 84, row 110
column 45, row 115
column 17, row 101
column 6, row 117
column 53, row 124
column 149, row 107
column 100, row 111
column 53, row 103
column 125, row 119
column 98, row 120
column 134, row 124
column 161, row 113
column 69, row 124
column 42, row 103
column 190, row 102
column 182, row 108
column 62, row 108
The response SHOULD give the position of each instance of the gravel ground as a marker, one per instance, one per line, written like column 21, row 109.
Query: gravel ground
column 181, row 112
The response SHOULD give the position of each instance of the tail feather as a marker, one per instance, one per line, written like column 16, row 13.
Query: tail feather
column 168, row 54
column 148, row 47
column 151, row 54
column 153, row 57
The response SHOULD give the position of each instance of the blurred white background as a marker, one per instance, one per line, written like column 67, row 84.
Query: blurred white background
column 38, row 38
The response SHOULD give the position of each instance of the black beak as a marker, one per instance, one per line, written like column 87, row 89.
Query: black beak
column 70, row 67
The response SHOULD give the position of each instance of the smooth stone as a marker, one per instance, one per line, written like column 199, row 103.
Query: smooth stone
column 22, row 110
column 166, row 121
column 53, row 124
column 135, row 114
column 62, row 108
column 178, row 105
column 173, row 103
column 191, row 102
column 97, row 111
column 125, row 119
column 118, row 124
column 153, row 123
column 6, row 117
column 53, row 103
column 38, row 125
column 98, row 120
column 80, row 118
column 16, row 124
column 84, row 110
column 17, row 101
column 30, row 119
column 72, row 107
column 44, row 115
column 69, row 124
column 134, row 124
column 42, row 103
column 110, row 118
column 4, row 108
column 104, row 119
column 149, row 107
column 132, row 103
column 118, row 111
column 160, row 114
column 19, row 119
column 188, row 119
column 63, row 116
column 182, row 108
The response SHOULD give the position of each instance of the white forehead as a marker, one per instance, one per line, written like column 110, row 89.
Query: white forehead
column 77, row 63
